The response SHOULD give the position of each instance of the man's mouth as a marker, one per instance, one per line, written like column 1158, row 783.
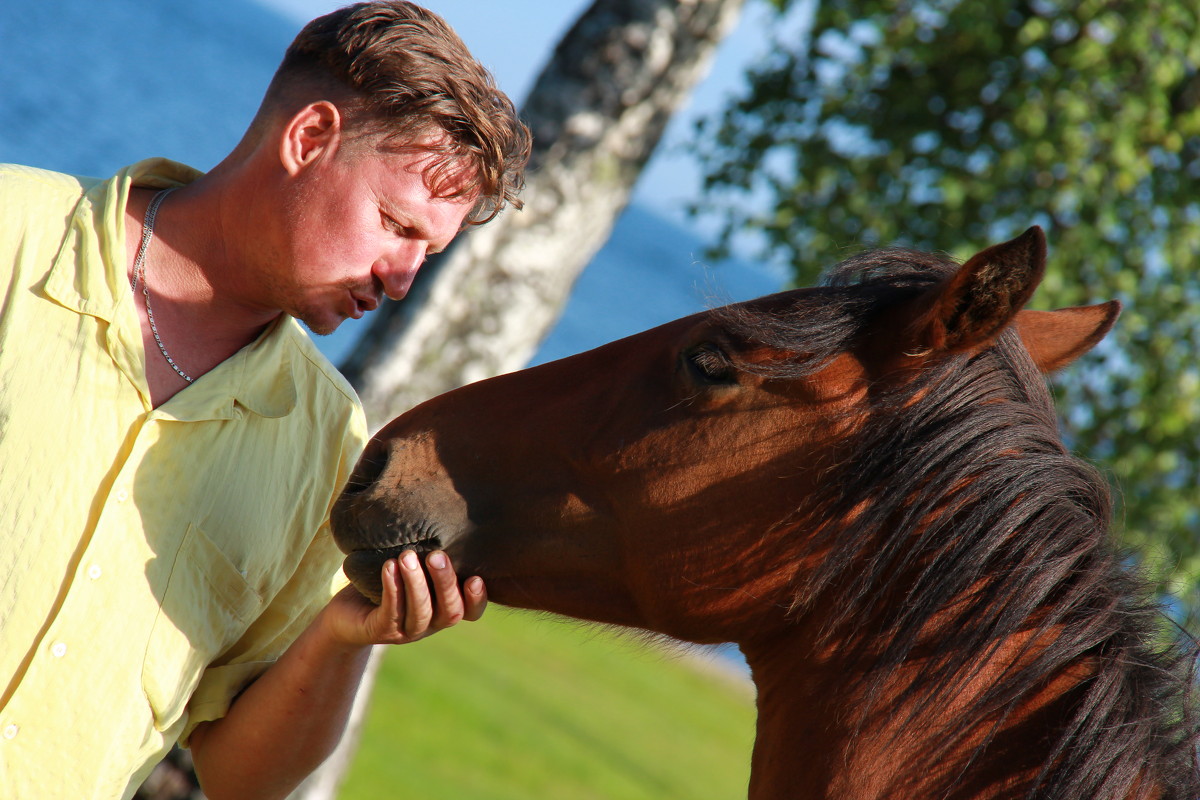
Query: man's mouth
column 363, row 304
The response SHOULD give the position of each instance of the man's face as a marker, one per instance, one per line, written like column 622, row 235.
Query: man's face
column 357, row 226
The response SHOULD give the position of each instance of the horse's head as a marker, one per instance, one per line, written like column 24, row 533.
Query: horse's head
column 657, row 481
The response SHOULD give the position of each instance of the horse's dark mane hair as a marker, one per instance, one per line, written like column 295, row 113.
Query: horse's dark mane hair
column 982, row 524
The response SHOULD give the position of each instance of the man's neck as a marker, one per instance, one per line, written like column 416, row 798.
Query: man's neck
column 189, row 276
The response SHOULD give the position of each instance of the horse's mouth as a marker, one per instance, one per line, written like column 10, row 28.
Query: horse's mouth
column 364, row 567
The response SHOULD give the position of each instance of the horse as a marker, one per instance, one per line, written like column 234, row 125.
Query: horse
column 863, row 485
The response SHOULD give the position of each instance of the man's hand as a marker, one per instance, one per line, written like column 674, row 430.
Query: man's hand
column 289, row 720
column 408, row 611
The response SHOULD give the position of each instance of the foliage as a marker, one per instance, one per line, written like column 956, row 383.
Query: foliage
column 520, row 705
column 953, row 125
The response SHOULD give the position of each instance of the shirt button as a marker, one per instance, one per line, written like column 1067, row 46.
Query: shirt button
column 10, row 731
column 94, row 571
column 59, row 649
column 122, row 495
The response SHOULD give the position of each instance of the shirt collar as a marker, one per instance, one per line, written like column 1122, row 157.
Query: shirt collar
column 259, row 378
column 89, row 276
column 89, row 273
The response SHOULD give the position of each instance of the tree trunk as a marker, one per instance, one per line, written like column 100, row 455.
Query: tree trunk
column 597, row 112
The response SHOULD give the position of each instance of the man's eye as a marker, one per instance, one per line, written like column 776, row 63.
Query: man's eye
column 393, row 226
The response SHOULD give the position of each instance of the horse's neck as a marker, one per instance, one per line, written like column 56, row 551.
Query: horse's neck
column 797, row 748
column 811, row 743
column 808, row 743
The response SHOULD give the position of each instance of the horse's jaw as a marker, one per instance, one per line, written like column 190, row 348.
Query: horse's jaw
column 536, row 551
column 533, row 547
column 560, row 586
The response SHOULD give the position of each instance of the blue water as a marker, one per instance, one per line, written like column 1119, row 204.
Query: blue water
column 88, row 87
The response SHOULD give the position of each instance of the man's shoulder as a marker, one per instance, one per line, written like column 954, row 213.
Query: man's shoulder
column 34, row 186
column 325, row 391
column 322, row 375
column 38, row 206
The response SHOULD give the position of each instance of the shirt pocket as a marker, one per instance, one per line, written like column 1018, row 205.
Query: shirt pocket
column 206, row 607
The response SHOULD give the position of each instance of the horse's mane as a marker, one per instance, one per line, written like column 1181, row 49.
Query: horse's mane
column 979, row 522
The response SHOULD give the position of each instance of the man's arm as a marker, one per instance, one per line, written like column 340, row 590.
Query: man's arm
column 290, row 719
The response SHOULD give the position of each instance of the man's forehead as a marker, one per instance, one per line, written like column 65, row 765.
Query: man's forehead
column 447, row 173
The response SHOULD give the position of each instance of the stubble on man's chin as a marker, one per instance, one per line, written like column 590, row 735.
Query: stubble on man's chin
column 317, row 323
column 320, row 328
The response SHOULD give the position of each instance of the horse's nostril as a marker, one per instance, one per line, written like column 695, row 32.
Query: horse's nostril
column 370, row 466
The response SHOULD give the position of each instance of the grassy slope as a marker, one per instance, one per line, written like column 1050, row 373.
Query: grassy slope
column 521, row 707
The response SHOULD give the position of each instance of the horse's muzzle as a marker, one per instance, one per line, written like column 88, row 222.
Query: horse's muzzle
column 364, row 568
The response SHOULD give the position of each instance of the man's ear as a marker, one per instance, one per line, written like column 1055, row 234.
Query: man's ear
column 312, row 132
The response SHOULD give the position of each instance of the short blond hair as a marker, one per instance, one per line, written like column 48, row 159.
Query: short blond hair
column 399, row 69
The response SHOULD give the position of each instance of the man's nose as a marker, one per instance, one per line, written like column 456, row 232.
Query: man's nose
column 397, row 269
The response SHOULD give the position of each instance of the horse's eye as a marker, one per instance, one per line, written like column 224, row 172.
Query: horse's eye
column 708, row 364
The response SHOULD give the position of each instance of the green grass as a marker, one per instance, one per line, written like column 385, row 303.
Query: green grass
column 522, row 707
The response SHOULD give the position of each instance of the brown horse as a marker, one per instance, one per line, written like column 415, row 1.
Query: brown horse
column 863, row 486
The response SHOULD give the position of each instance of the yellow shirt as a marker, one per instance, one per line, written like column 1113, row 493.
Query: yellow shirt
column 152, row 561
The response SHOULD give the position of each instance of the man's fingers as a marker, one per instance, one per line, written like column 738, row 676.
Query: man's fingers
column 475, row 596
column 391, row 604
column 418, row 605
column 449, row 605
column 414, row 606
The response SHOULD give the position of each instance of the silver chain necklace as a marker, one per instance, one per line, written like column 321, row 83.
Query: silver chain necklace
column 139, row 274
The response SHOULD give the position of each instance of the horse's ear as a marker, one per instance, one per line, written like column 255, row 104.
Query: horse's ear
column 1056, row 338
column 970, row 310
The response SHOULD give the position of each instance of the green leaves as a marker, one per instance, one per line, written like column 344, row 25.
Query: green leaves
column 951, row 125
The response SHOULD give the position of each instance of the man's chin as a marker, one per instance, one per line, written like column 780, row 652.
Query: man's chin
column 321, row 326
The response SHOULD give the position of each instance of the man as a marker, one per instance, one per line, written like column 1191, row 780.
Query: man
column 171, row 441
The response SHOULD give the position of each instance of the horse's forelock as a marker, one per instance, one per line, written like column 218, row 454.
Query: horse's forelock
column 894, row 267
column 821, row 323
